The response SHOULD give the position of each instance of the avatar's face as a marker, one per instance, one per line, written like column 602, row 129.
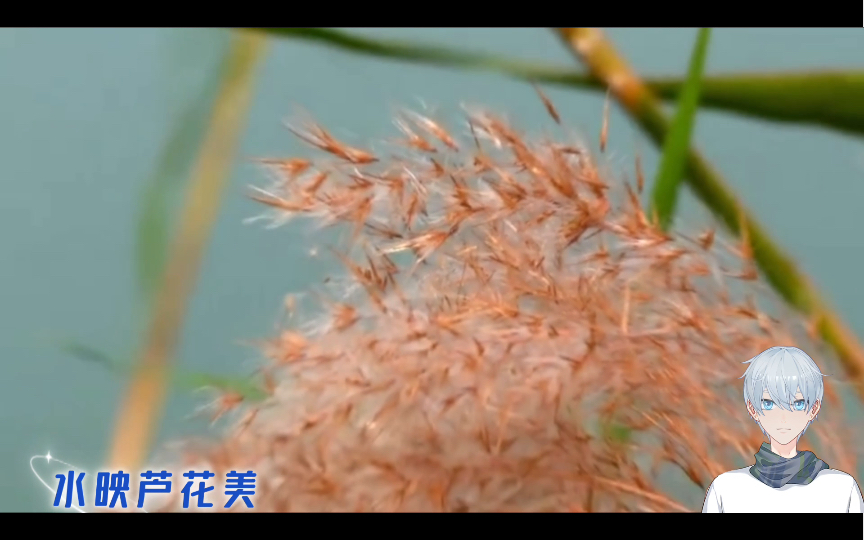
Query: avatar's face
column 784, row 426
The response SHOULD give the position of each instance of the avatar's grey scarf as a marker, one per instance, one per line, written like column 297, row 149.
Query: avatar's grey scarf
column 775, row 471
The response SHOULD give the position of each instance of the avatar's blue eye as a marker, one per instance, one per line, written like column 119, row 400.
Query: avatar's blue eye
column 767, row 404
column 800, row 405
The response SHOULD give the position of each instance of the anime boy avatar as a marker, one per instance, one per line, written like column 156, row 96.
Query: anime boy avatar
column 783, row 394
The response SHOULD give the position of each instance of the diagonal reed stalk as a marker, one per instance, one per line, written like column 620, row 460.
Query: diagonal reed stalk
column 603, row 61
column 142, row 404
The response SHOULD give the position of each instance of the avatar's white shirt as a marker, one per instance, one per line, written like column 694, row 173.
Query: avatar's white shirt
column 738, row 491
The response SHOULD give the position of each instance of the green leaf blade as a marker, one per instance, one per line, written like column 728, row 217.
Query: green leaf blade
column 246, row 387
column 435, row 55
column 165, row 188
column 676, row 146
column 92, row 355
column 831, row 99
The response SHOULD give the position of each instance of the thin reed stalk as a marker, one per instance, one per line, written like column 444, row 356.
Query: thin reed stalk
column 606, row 64
column 140, row 411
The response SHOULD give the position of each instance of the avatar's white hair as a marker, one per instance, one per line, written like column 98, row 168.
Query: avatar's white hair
column 782, row 372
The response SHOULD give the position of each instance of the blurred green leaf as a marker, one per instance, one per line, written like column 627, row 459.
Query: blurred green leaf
column 431, row 54
column 246, row 387
column 673, row 160
column 615, row 432
column 92, row 355
column 164, row 190
column 833, row 99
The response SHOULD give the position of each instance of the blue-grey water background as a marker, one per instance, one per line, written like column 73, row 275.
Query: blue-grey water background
column 83, row 116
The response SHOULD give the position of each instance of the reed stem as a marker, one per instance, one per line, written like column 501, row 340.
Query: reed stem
column 606, row 64
column 142, row 405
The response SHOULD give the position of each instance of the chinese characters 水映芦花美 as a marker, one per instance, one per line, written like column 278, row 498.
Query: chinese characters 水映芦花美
column 238, row 485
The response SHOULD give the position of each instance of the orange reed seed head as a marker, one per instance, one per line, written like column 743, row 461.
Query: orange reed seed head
column 511, row 332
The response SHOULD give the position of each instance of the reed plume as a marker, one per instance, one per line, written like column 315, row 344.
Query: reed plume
column 511, row 334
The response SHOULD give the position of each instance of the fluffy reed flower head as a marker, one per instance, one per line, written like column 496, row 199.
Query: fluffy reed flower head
column 512, row 333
